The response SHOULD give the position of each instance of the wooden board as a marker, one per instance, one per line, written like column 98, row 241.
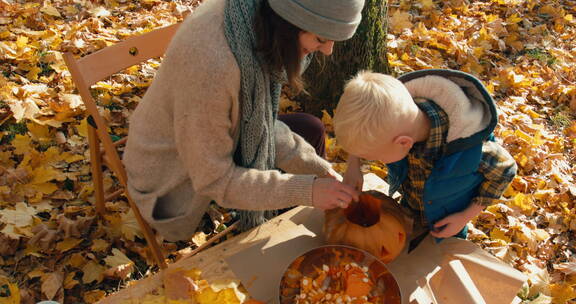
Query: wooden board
column 212, row 261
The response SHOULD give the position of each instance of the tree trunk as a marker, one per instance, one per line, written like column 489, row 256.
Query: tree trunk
column 326, row 76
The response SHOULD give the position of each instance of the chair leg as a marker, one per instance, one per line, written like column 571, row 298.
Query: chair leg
column 148, row 234
column 96, row 166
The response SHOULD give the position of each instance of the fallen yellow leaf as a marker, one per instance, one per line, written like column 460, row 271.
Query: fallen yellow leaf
column 13, row 292
column 562, row 293
column 92, row 272
column 399, row 21
column 68, row 244
column 499, row 234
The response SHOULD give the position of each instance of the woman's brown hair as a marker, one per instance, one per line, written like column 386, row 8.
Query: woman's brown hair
column 278, row 41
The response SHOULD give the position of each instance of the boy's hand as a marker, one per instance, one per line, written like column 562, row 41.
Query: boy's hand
column 353, row 176
column 328, row 193
column 449, row 226
column 453, row 223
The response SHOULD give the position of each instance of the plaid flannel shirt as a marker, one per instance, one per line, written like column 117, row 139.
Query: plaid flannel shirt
column 497, row 166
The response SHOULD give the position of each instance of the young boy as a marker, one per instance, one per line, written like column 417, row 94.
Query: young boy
column 433, row 129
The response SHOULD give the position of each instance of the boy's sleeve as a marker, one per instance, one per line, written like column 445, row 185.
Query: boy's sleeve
column 499, row 168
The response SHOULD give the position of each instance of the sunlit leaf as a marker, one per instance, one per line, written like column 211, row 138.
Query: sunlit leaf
column 21, row 216
column 499, row 234
column 399, row 21
column 562, row 293
column 50, row 10
column 130, row 227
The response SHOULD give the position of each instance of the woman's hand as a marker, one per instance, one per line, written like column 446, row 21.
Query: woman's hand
column 333, row 174
column 328, row 193
column 353, row 176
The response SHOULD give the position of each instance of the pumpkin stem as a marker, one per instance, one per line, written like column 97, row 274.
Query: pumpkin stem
column 365, row 212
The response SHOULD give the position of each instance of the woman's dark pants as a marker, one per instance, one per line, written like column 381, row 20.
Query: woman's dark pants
column 309, row 127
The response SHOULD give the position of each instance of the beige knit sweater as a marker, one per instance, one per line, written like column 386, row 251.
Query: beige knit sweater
column 183, row 135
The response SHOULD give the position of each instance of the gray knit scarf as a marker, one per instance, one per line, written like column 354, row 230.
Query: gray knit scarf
column 259, row 96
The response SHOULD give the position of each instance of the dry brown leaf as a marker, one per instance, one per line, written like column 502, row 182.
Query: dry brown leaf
column 52, row 284
column 92, row 272
column 44, row 238
column 8, row 244
column 178, row 286
column 74, row 227
column 120, row 265
column 130, row 227
column 99, row 245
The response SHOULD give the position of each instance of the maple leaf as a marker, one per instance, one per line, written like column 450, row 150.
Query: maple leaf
column 21, row 144
column 21, row 216
column 50, row 10
column 539, row 279
column 92, row 272
column 523, row 202
column 77, row 260
column 399, row 21
column 120, row 265
column 130, row 227
column 52, row 284
column 74, row 227
column 499, row 234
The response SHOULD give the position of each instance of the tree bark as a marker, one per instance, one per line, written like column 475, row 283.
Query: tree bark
column 326, row 76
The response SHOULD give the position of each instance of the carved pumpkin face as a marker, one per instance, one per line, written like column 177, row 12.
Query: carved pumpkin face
column 369, row 224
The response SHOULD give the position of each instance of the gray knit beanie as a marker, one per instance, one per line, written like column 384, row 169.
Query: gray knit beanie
column 330, row 19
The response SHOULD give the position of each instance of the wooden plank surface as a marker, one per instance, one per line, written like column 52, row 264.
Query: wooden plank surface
column 212, row 261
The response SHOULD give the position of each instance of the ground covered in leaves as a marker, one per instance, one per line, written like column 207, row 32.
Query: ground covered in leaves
column 53, row 246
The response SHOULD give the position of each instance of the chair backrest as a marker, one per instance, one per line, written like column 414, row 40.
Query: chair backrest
column 99, row 65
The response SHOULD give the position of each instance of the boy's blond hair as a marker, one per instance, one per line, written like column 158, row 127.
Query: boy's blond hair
column 373, row 107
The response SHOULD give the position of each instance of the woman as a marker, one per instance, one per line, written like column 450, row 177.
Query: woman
column 207, row 127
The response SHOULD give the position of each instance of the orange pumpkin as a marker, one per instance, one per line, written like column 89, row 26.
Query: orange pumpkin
column 375, row 223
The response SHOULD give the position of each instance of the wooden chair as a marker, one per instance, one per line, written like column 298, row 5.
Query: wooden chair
column 88, row 70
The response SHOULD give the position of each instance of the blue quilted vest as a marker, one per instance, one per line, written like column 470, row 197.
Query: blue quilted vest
column 454, row 179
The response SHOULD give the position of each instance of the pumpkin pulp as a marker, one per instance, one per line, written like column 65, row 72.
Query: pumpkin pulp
column 365, row 212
